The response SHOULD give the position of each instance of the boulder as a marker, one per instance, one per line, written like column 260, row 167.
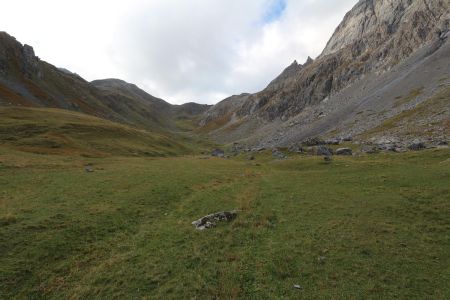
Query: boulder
column 211, row 220
column 386, row 147
column 335, row 141
column 278, row 154
column 295, row 148
column 218, row 153
column 322, row 151
column 347, row 139
column 344, row 151
column 313, row 142
column 417, row 146
column 369, row 149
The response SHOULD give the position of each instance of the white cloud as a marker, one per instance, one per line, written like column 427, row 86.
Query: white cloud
column 179, row 50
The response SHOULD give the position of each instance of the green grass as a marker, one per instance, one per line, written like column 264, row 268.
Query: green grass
column 413, row 94
column 370, row 227
column 55, row 131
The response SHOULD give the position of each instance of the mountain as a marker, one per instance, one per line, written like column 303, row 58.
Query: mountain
column 385, row 58
column 25, row 80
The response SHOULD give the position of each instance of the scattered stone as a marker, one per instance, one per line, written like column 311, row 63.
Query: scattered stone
column 386, row 147
column 297, row 286
column 211, row 220
column 322, row 151
column 347, row 139
column 89, row 168
column 278, row 154
column 321, row 259
column 258, row 149
column 295, row 148
column 335, row 141
column 369, row 149
column 218, row 153
column 417, row 146
column 344, row 151
column 398, row 149
column 313, row 142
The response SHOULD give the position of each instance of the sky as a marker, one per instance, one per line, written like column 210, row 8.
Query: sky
column 179, row 50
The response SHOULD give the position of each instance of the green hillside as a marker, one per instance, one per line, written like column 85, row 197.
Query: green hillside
column 55, row 131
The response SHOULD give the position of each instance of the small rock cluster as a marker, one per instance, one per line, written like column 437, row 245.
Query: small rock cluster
column 218, row 153
column 278, row 154
column 211, row 220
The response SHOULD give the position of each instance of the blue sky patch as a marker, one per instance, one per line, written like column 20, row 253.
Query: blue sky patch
column 275, row 11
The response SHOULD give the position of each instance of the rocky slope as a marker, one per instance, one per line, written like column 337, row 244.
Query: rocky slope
column 390, row 42
column 25, row 80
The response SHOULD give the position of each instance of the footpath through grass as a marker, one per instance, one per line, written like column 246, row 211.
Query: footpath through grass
column 371, row 227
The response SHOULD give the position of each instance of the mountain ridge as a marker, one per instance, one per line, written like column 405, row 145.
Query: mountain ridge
column 373, row 38
column 25, row 80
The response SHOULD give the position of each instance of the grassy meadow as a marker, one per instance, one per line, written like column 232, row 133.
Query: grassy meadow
column 368, row 227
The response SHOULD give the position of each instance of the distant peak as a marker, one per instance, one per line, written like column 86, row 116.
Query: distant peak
column 309, row 61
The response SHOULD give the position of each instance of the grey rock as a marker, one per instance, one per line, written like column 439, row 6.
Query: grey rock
column 211, row 220
column 417, row 146
column 369, row 149
column 295, row 148
column 386, row 147
column 445, row 35
column 218, row 153
column 335, row 141
column 313, row 142
column 322, row 151
column 278, row 154
column 344, row 151
column 321, row 259
column 347, row 139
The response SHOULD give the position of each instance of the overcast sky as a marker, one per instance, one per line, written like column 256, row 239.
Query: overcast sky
column 178, row 50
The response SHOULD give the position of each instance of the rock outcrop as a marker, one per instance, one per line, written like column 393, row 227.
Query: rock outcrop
column 211, row 220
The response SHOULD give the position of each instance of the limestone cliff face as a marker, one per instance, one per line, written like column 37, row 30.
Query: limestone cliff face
column 373, row 37
column 377, row 21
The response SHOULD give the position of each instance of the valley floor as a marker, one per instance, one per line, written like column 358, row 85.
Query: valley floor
column 368, row 227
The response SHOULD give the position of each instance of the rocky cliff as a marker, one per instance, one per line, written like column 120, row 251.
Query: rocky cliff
column 373, row 39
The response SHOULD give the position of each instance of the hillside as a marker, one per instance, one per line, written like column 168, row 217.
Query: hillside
column 380, row 52
column 25, row 80
column 63, row 132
